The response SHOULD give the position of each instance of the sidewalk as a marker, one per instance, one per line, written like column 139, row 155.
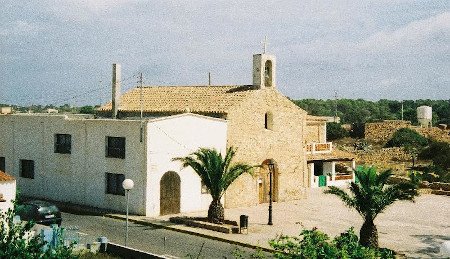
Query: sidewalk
column 415, row 229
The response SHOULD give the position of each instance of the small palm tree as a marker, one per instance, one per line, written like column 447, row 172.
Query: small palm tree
column 371, row 196
column 217, row 173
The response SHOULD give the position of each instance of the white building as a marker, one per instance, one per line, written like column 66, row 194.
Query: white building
column 7, row 189
column 83, row 160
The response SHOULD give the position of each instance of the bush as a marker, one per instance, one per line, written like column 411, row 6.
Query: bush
column 17, row 242
column 358, row 130
column 335, row 131
column 316, row 244
column 408, row 139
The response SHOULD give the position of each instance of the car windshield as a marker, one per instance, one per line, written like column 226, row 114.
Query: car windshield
column 48, row 209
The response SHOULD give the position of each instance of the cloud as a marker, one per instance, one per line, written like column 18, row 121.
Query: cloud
column 416, row 33
column 18, row 28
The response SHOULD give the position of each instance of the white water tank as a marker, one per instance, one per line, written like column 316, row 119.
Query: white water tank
column 424, row 115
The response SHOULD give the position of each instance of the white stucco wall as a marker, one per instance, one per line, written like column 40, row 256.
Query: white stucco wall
column 178, row 136
column 8, row 189
column 78, row 177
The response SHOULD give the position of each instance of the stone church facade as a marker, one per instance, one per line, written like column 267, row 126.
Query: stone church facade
column 262, row 124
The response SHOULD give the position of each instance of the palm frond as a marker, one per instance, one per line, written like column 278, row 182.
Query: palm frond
column 345, row 197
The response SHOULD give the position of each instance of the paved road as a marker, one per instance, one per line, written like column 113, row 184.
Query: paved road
column 150, row 239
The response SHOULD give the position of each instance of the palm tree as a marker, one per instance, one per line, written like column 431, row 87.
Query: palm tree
column 217, row 173
column 371, row 196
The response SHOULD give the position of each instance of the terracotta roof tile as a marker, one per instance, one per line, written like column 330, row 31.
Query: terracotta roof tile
column 335, row 155
column 210, row 99
column 5, row 177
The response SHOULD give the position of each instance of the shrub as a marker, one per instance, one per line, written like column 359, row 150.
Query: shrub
column 408, row 139
column 316, row 244
column 335, row 131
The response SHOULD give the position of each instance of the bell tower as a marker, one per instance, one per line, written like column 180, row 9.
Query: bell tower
column 264, row 67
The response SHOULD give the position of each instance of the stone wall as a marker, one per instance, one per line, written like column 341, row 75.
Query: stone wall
column 381, row 132
column 255, row 144
column 383, row 159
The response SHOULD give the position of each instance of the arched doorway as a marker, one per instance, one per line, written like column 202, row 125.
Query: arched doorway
column 264, row 182
column 169, row 193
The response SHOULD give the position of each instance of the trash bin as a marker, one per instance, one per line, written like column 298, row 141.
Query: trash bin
column 243, row 223
column 103, row 244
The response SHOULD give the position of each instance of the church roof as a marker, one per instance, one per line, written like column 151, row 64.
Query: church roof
column 206, row 99
column 5, row 177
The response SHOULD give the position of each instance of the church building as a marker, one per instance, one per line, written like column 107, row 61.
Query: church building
column 83, row 159
column 263, row 125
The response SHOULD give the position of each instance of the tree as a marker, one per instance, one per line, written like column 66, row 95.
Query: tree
column 335, row 131
column 217, row 173
column 410, row 140
column 371, row 196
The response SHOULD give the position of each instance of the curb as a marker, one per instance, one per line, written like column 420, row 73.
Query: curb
column 148, row 223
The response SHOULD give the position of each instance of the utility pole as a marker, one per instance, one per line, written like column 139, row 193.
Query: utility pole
column 335, row 106
column 402, row 110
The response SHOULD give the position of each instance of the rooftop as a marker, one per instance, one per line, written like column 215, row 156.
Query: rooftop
column 205, row 99
column 5, row 177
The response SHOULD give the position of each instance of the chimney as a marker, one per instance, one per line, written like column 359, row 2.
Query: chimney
column 116, row 78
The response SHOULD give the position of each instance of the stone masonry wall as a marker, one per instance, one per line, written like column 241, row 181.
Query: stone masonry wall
column 381, row 132
column 255, row 144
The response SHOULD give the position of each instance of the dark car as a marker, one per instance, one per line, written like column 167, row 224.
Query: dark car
column 41, row 212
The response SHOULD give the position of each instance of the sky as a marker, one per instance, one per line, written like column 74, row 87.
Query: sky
column 58, row 52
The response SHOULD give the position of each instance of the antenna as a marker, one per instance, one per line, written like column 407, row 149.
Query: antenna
column 141, row 107
column 140, row 94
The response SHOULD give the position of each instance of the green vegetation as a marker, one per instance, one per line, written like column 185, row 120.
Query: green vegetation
column 361, row 111
column 66, row 108
column 370, row 196
column 217, row 173
column 16, row 241
column 316, row 244
column 439, row 154
column 407, row 138
column 335, row 131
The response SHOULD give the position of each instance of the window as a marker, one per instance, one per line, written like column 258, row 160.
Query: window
column 114, row 184
column 115, row 147
column 2, row 164
column 268, row 121
column 27, row 168
column 63, row 143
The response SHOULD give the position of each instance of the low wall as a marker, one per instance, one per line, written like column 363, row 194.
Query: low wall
column 381, row 132
column 128, row 252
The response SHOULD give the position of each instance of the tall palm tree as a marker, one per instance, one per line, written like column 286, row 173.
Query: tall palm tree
column 217, row 173
column 371, row 196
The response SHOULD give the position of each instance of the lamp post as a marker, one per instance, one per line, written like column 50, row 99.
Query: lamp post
column 127, row 184
column 271, row 170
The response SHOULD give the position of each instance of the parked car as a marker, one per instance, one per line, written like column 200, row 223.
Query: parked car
column 41, row 212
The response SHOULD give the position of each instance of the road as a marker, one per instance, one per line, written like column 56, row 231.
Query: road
column 148, row 238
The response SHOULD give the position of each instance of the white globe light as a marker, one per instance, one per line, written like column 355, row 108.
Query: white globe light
column 445, row 248
column 128, row 184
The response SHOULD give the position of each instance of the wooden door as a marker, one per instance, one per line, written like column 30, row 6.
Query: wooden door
column 170, row 193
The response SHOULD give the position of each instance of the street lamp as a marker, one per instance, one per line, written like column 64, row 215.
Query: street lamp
column 271, row 170
column 127, row 184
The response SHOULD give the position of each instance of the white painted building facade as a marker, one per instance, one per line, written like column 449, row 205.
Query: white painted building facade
column 103, row 152
column 7, row 191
